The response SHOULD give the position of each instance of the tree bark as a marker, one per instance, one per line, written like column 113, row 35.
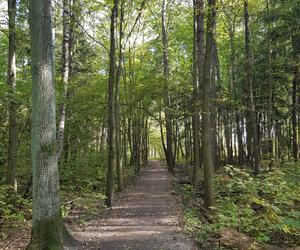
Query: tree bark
column 65, row 73
column 167, row 98
column 111, row 111
column 215, row 149
column 249, row 83
column 11, row 81
column 48, row 231
column 117, row 104
column 195, row 118
column 206, row 122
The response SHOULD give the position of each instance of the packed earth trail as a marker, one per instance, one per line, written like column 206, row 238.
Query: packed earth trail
column 144, row 217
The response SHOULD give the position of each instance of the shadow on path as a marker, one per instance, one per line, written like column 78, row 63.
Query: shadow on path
column 145, row 217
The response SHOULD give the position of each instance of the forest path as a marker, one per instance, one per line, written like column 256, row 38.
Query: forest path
column 144, row 217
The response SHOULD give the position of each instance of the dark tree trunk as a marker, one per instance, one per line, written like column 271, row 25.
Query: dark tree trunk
column 195, row 118
column 249, row 82
column 167, row 98
column 11, row 81
column 206, row 119
column 111, row 110
column 215, row 150
column 117, row 104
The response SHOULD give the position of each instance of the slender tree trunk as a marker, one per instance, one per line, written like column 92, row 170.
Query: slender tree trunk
column 206, row 122
column 11, row 81
column 215, row 150
column 270, row 87
column 195, row 118
column 65, row 72
column 296, row 85
column 241, row 152
column 111, row 111
column 117, row 104
column 48, row 231
column 239, row 134
column 167, row 99
column 228, row 136
column 249, row 82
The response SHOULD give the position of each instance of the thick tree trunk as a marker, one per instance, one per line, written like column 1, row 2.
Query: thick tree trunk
column 65, row 73
column 296, row 85
column 111, row 111
column 48, row 231
column 11, row 81
column 249, row 82
column 167, row 98
column 206, row 122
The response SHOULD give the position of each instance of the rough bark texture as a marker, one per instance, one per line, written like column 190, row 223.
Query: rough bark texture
column 206, row 123
column 167, row 99
column 47, row 226
column 111, row 111
column 11, row 81
column 249, row 82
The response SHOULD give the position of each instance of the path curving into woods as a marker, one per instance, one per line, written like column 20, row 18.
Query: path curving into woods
column 144, row 217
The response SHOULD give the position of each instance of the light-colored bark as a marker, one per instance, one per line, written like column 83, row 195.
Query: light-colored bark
column 48, row 231
column 46, row 202
column 65, row 73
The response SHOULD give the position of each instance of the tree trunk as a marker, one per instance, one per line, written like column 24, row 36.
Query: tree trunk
column 48, row 231
column 167, row 99
column 11, row 81
column 206, row 122
column 65, row 72
column 215, row 150
column 249, row 83
column 270, row 87
column 117, row 104
column 111, row 111
column 195, row 118
column 296, row 85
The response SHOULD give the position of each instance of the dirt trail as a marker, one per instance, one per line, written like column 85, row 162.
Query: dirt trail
column 144, row 217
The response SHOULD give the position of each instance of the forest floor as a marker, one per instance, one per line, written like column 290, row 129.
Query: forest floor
column 145, row 216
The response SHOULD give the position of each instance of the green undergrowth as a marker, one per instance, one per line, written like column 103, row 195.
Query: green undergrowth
column 266, row 208
column 81, row 191
column 78, row 205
